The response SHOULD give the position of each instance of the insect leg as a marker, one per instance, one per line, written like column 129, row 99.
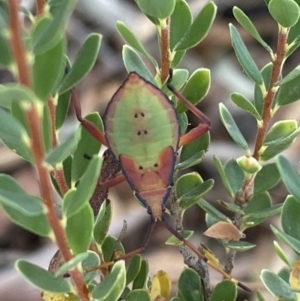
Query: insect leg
column 202, row 256
column 198, row 131
column 89, row 126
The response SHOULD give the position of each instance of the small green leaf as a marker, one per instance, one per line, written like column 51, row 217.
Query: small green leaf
column 266, row 72
column 91, row 261
column 192, row 161
column 279, row 131
column 156, row 8
column 83, row 63
column 234, row 174
column 177, row 58
column 186, row 183
column 138, row 294
column 48, row 70
column 211, row 210
column 133, row 268
column 189, row 285
column 244, row 56
column 290, row 76
column 5, row 52
column 75, row 199
column 174, row 241
column 266, row 178
column 231, row 207
column 79, row 229
column 12, row 195
column 129, row 37
column 190, row 198
column 290, row 217
column 266, row 212
column 62, row 108
column 63, row 150
column 289, row 176
column 37, row 224
column 110, row 246
column 277, row 286
column 103, row 222
column 196, row 88
column 223, row 176
column 71, row 264
column 241, row 17
column 112, row 286
column 293, row 39
column 224, row 291
column 281, row 253
column 41, row 278
column 232, row 128
column 181, row 20
column 191, row 149
column 238, row 246
column 15, row 92
column 289, row 92
column 273, row 150
column 259, row 202
column 47, row 33
column 289, row 240
column 87, row 146
column 133, row 62
column 199, row 28
column 141, row 279
column 13, row 135
column 284, row 12
column 245, row 105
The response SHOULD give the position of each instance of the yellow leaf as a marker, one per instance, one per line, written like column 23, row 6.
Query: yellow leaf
column 48, row 296
column 161, row 286
column 295, row 277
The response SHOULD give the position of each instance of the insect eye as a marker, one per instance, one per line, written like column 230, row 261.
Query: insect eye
column 155, row 165
column 135, row 115
column 145, row 132
column 139, row 133
column 142, row 114
column 140, row 167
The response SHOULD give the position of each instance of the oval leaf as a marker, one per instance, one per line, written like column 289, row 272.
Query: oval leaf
column 277, row 286
column 84, row 62
column 199, row 28
column 232, row 128
column 41, row 278
column 244, row 56
column 285, row 12
column 112, row 286
column 12, row 195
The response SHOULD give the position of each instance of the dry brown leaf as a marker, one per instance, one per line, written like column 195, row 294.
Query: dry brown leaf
column 224, row 230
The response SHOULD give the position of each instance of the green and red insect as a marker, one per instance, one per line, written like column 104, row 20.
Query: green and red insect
column 142, row 130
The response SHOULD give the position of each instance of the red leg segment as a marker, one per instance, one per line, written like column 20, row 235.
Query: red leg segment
column 89, row 126
column 198, row 131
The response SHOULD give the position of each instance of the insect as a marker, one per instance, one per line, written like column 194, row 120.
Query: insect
column 142, row 130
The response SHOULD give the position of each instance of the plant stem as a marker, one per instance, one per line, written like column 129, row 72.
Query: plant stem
column 266, row 114
column 35, row 125
column 40, row 4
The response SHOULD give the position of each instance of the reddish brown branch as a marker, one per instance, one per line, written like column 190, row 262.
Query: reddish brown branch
column 58, row 174
column 266, row 115
column 24, row 76
column 164, row 51
column 35, row 126
column 40, row 4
